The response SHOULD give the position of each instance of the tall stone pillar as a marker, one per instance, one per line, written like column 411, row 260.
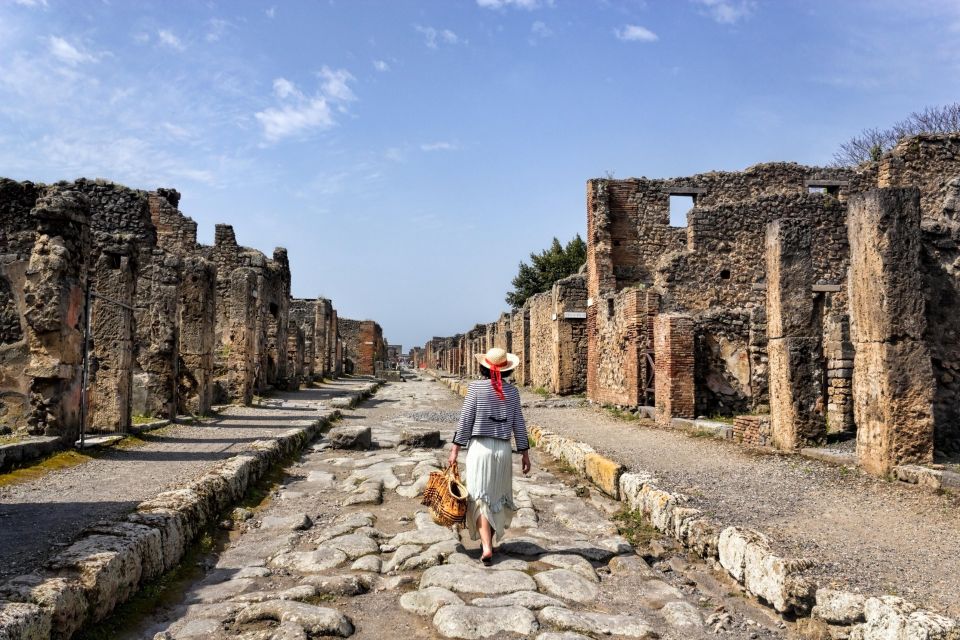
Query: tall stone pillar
column 893, row 382
column 794, row 337
column 673, row 349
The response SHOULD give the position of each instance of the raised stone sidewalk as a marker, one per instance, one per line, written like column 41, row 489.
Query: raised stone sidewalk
column 745, row 554
column 113, row 558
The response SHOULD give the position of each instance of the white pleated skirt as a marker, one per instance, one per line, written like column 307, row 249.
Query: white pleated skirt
column 489, row 484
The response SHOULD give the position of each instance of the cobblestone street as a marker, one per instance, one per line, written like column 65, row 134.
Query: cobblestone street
column 342, row 547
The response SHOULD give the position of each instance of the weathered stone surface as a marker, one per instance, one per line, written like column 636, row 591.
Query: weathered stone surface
column 342, row 585
column 312, row 619
column 425, row 602
column 349, row 437
column 574, row 563
column 568, row 585
column 367, row 563
column 838, row 607
column 526, row 599
column 23, row 620
column 604, row 473
column 470, row 623
column 892, row 618
column 420, row 438
column 471, row 579
column 631, row 565
column 317, row 561
column 353, row 545
column 746, row 555
column 682, row 615
column 370, row 492
column 295, row 522
column 597, row 623
column 563, row 635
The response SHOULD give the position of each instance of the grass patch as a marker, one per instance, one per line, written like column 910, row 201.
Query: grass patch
column 40, row 468
column 702, row 433
column 142, row 419
column 719, row 418
column 620, row 414
column 632, row 526
column 540, row 391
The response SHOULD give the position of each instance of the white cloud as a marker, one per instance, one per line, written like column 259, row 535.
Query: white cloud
column 394, row 154
column 335, row 84
column 295, row 119
column 217, row 29
column 727, row 11
column 433, row 37
column 540, row 30
column 169, row 39
column 176, row 131
column 271, row 12
column 635, row 33
column 381, row 65
column 529, row 5
column 68, row 53
column 439, row 146
column 300, row 114
column 141, row 37
column 31, row 3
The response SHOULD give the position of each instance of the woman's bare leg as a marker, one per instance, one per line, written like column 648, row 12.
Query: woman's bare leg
column 486, row 536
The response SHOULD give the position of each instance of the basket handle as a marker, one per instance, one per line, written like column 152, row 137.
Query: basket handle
column 453, row 470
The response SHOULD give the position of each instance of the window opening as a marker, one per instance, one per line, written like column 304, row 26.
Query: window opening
column 679, row 207
column 725, row 274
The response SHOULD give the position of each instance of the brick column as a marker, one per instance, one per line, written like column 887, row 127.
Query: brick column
column 794, row 342
column 673, row 348
column 893, row 382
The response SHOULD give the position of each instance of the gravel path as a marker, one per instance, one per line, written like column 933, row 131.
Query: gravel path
column 39, row 516
column 868, row 534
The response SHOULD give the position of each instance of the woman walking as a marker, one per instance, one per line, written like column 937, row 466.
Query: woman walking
column 490, row 415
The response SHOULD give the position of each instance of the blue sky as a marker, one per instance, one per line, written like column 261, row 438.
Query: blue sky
column 410, row 154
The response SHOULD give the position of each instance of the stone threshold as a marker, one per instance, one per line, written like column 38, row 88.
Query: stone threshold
column 113, row 560
column 27, row 449
column 745, row 554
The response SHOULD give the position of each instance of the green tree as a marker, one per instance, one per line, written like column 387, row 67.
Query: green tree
column 545, row 268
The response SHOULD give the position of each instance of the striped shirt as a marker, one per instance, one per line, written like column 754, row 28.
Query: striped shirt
column 485, row 415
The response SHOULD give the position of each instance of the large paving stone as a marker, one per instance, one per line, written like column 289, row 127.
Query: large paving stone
column 568, row 585
column 349, row 437
column 471, row 623
column 312, row 619
column 464, row 578
column 562, row 635
column 526, row 599
column 430, row 535
column 354, row 545
column 682, row 615
column 369, row 492
column 573, row 563
column 317, row 561
column 295, row 522
column 597, row 623
column 426, row 602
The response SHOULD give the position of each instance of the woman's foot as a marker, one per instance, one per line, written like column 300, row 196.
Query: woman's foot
column 487, row 558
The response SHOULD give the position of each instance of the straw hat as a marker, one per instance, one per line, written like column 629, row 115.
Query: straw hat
column 498, row 357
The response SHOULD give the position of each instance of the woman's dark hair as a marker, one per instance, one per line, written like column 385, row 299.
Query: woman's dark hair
column 486, row 373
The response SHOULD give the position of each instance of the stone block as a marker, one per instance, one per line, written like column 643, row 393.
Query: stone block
column 24, row 621
column 892, row 618
column 893, row 404
column 796, row 397
column 604, row 473
column 424, row 438
column 886, row 282
column 349, row 437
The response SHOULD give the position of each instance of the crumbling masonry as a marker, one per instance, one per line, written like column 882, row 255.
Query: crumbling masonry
column 92, row 271
column 803, row 301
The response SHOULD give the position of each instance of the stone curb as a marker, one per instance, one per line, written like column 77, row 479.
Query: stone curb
column 745, row 554
column 29, row 449
column 113, row 560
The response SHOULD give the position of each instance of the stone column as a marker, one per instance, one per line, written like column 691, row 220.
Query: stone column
column 893, row 381
column 794, row 343
column 673, row 348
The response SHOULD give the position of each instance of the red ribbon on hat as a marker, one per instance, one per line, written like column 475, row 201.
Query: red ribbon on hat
column 495, row 380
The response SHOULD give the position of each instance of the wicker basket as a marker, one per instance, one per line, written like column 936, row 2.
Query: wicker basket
column 448, row 497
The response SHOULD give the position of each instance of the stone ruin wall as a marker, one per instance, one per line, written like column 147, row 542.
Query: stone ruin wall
column 45, row 235
column 541, row 341
column 364, row 346
column 174, row 326
column 520, row 332
column 790, row 224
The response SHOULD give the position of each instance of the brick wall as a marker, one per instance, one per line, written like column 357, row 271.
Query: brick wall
column 673, row 344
